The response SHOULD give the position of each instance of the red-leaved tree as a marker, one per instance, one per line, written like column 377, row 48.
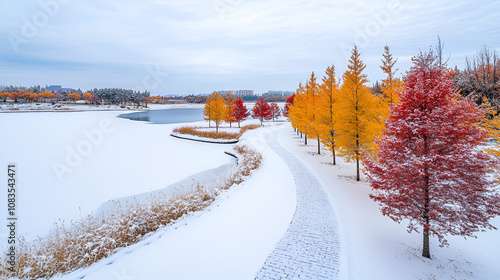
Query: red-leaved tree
column 261, row 110
column 240, row 111
column 275, row 111
column 428, row 169
column 288, row 104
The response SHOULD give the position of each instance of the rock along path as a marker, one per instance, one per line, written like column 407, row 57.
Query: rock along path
column 310, row 248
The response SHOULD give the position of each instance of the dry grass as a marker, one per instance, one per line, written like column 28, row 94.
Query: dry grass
column 85, row 242
column 193, row 130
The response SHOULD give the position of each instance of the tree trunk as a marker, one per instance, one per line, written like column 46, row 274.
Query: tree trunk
column 239, row 125
column 301, row 134
column 333, row 152
column 319, row 147
column 357, row 160
column 305, row 139
column 216, row 127
column 333, row 146
column 357, row 167
column 426, row 250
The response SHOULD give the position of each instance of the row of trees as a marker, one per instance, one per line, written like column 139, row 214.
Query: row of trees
column 40, row 97
column 95, row 96
column 345, row 115
column 480, row 77
column 418, row 139
column 230, row 109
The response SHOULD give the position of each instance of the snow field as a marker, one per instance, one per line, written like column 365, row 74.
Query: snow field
column 249, row 233
column 129, row 158
column 231, row 239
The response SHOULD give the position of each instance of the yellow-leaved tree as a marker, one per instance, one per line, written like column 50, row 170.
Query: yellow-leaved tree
column 491, row 121
column 215, row 110
column 207, row 109
column 311, row 99
column 297, row 113
column 327, row 107
column 230, row 106
column 359, row 118
column 390, row 85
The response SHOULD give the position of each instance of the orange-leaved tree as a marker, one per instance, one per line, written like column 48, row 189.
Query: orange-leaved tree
column 359, row 117
column 87, row 96
column 30, row 96
column 230, row 109
column 215, row 110
column 297, row 111
column 74, row 96
column 4, row 95
column 16, row 95
column 207, row 109
column 45, row 95
column 327, row 110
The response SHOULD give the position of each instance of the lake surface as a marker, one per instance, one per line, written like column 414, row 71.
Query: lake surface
column 166, row 116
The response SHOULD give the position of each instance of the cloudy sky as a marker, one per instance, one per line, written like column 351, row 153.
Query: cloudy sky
column 198, row 46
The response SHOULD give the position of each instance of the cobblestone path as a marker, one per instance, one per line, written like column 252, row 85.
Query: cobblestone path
column 310, row 247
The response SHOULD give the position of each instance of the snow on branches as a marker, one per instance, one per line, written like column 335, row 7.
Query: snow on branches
column 428, row 169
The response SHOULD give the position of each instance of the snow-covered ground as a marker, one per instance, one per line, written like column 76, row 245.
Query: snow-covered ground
column 72, row 164
column 233, row 237
column 68, row 164
column 229, row 240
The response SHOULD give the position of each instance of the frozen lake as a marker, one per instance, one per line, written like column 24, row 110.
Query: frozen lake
column 167, row 116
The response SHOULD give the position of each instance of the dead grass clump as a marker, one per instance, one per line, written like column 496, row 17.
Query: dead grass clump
column 248, row 127
column 193, row 130
column 82, row 243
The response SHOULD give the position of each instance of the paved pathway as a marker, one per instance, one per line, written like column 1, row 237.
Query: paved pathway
column 310, row 247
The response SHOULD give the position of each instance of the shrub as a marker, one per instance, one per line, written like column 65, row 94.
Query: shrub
column 193, row 130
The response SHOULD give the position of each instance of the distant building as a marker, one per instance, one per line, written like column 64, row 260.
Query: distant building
column 225, row 92
column 53, row 88
column 237, row 93
column 244, row 92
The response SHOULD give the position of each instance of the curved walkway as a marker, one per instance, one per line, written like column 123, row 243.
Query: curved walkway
column 310, row 248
